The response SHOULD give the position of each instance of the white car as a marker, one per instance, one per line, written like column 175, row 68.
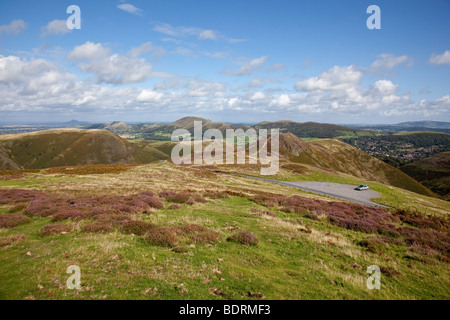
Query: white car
column 362, row 187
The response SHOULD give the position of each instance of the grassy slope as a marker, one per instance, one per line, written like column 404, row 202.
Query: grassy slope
column 288, row 263
column 70, row 147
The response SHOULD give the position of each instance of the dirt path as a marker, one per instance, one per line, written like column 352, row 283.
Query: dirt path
column 335, row 190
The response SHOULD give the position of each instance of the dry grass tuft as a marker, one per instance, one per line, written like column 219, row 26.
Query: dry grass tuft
column 10, row 240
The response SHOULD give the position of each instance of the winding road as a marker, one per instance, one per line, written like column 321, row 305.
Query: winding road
column 330, row 189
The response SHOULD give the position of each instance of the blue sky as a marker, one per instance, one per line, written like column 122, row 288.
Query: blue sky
column 234, row 61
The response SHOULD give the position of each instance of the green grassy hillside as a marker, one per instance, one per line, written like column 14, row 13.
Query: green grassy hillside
column 72, row 147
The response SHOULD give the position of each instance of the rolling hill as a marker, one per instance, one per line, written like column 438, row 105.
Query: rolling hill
column 71, row 147
column 162, row 132
column 433, row 172
column 337, row 156
column 313, row 129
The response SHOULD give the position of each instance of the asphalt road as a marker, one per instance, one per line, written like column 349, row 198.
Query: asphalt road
column 335, row 190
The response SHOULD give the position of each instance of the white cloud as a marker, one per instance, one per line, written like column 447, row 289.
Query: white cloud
column 40, row 86
column 130, row 9
column 14, row 28
column 170, row 30
column 385, row 87
column 57, row 27
column 281, row 101
column 207, row 34
column 388, row 61
column 277, row 67
column 440, row 59
column 114, row 69
column 198, row 88
column 149, row 96
column 199, row 33
column 89, row 51
column 337, row 78
column 147, row 47
column 258, row 96
column 248, row 68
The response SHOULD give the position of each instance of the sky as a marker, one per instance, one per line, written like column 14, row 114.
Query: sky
column 239, row 61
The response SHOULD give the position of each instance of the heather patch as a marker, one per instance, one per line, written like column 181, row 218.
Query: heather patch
column 12, row 220
column 36, row 203
column 56, row 228
column 187, row 234
column 245, row 238
column 19, row 195
column 426, row 232
column 98, row 227
column 136, row 227
column 161, row 236
column 420, row 220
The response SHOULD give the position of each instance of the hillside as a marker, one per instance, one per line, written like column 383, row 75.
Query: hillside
column 70, row 147
column 433, row 172
column 340, row 157
column 313, row 129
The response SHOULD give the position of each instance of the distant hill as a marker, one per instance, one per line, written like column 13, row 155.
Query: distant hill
column 164, row 131
column 434, row 126
column 115, row 126
column 313, row 129
column 433, row 172
column 188, row 124
column 425, row 124
column 71, row 147
column 73, row 123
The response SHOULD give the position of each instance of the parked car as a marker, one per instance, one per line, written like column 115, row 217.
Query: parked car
column 362, row 187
